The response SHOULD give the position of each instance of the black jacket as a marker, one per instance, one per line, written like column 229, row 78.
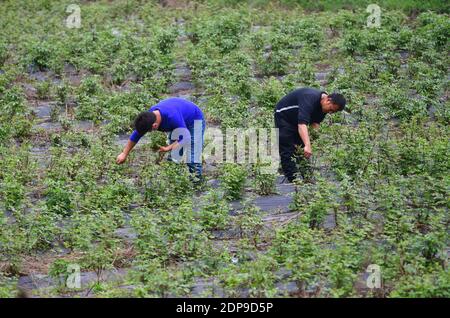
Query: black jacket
column 301, row 106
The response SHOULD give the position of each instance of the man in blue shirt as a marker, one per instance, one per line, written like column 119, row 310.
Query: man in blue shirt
column 185, row 123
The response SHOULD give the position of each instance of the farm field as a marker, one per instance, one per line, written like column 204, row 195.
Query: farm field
column 374, row 199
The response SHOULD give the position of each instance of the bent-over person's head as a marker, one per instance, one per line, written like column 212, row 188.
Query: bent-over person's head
column 333, row 103
column 144, row 122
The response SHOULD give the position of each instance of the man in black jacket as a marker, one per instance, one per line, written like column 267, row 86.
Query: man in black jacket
column 296, row 110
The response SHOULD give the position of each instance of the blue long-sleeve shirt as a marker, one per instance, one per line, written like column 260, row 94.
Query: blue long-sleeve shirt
column 175, row 113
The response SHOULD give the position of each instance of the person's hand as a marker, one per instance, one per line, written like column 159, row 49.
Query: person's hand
column 121, row 158
column 164, row 148
column 307, row 151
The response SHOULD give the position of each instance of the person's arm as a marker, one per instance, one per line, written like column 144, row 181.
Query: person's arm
column 305, row 111
column 134, row 138
column 124, row 154
column 180, row 124
column 170, row 147
column 303, row 132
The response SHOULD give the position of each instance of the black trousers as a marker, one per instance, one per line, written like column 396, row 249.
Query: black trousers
column 288, row 142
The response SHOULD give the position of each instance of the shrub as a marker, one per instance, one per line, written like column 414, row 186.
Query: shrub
column 249, row 223
column 3, row 53
column 276, row 62
column 59, row 197
column 214, row 211
column 12, row 191
column 264, row 183
column 232, row 179
column 430, row 285
column 315, row 200
column 13, row 108
column 43, row 90
column 165, row 184
column 268, row 93
column 157, row 139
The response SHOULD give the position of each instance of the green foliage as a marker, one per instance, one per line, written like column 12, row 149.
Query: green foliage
column 59, row 270
column 165, row 184
column 378, row 195
column 122, row 108
column 354, row 157
column 367, row 41
column 303, row 75
column 43, row 90
column 403, row 107
column 13, row 192
column 157, row 139
column 315, row 199
column 269, row 93
column 40, row 54
column 297, row 241
column 14, row 109
column 162, row 282
column 170, row 235
column 249, row 223
column 257, row 276
column 224, row 31
column 436, row 285
column 3, row 53
column 214, row 211
column 7, row 287
column 62, row 92
column 232, row 179
column 276, row 62
column 91, row 101
column 229, row 112
column 264, row 183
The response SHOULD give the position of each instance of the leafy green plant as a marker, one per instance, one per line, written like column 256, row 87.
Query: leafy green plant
column 264, row 183
column 7, row 286
column 14, row 109
column 158, row 281
column 214, row 211
column 12, row 191
column 255, row 276
column 232, row 179
column 44, row 90
column 427, row 286
column 157, row 139
column 62, row 93
column 314, row 200
column 249, row 223
column 59, row 271
column 3, row 53
column 165, row 183
column 275, row 62
column 269, row 93
column 59, row 197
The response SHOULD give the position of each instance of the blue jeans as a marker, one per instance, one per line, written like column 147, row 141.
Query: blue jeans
column 194, row 152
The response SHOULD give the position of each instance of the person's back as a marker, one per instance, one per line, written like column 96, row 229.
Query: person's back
column 292, row 97
column 175, row 111
column 300, row 104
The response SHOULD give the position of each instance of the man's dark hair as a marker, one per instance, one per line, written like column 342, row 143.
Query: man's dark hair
column 339, row 100
column 144, row 121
